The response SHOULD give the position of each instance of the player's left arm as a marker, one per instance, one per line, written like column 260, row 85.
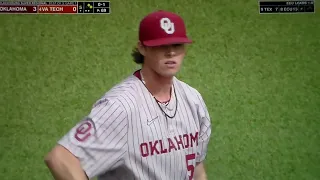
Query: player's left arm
column 203, row 141
column 200, row 172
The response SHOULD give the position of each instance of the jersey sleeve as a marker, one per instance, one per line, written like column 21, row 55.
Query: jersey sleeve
column 99, row 141
column 205, row 130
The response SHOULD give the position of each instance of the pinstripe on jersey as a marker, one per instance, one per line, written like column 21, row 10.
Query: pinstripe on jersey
column 127, row 137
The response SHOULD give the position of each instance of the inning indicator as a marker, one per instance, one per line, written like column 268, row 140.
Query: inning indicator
column 271, row 7
column 54, row 7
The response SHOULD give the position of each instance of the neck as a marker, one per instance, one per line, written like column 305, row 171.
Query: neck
column 159, row 86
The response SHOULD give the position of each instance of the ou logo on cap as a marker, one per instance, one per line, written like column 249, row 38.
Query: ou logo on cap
column 167, row 25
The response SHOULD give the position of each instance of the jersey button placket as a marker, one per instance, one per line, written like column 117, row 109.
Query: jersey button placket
column 169, row 121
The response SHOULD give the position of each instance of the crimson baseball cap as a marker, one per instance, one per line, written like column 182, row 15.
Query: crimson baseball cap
column 162, row 28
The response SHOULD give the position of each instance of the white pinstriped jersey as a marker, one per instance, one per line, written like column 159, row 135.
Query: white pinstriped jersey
column 127, row 137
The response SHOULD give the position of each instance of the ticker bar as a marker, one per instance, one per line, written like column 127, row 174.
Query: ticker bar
column 55, row 7
column 12, row 3
column 286, row 7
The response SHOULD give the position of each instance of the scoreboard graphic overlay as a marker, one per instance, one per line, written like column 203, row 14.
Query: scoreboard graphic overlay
column 286, row 7
column 55, row 7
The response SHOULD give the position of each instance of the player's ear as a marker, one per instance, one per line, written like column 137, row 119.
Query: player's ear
column 141, row 48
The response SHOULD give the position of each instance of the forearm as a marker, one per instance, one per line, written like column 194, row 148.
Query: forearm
column 201, row 177
column 200, row 172
column 64, row 167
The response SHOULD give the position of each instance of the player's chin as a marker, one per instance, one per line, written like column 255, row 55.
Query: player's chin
column 170, row 72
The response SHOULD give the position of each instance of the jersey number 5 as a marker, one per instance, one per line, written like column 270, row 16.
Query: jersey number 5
column 190, row 165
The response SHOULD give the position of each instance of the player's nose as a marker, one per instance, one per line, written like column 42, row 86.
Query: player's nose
column 170, row 51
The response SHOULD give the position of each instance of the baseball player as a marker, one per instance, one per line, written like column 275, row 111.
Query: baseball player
column 151, row 126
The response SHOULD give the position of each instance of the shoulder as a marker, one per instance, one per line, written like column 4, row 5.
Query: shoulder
column 192, row 95
column 189, row 91
column 122, row 94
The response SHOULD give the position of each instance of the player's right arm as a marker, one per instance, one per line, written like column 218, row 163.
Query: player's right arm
column 94, row 146
column 64, row 165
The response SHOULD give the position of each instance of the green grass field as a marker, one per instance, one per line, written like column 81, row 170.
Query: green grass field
column 259, row 75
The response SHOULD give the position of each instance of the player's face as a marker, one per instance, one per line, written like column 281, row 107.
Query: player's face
column 165, row 60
